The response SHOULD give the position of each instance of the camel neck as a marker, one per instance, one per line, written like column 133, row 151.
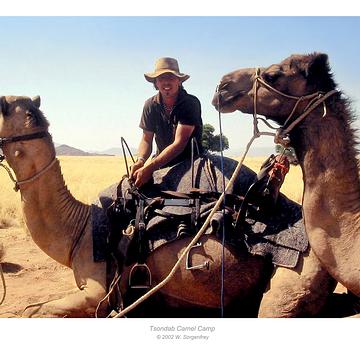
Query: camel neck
column 331, row 201
column 55, row 219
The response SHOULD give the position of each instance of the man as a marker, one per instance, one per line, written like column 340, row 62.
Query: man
column 172, row 116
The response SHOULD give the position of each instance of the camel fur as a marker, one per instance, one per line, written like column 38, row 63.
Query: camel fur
column 62, row 227
column 324, row 142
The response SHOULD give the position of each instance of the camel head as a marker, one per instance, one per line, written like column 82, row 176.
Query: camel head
column 296, row 76
column 20, row 119
column 20, row 115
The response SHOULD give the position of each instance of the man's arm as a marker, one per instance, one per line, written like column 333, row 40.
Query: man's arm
column 144, row 151
column 182, row 136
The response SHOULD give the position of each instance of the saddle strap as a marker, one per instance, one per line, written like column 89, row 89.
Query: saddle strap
column 265, row 175
column 140, row 228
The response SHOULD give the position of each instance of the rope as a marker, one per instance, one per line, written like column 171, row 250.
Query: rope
column 30, row 179
column 223, row 211
column 114, row 282
column 37, row 175
column 124, row 143
column 9, row 172
column 256, row 134
column 315, row 100
column 4, row 285
column 200, row 232
column 309, row 110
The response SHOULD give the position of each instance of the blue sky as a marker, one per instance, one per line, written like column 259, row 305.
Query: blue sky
column 89, row 70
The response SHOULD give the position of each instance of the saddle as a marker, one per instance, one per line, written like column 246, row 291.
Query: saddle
column 130, row 214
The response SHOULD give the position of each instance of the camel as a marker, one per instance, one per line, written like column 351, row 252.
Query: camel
column 62, row 227
column 300, row 95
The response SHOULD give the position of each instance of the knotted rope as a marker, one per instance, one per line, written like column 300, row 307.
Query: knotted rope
column 4, row 285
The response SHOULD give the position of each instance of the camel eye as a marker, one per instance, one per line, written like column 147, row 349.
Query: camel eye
column 271, row 77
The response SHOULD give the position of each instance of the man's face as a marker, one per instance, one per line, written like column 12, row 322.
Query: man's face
column 168, row 85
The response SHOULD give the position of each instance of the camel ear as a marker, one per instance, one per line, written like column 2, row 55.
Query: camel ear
column 36, row 101
column 318, row 72
column 4, row 106
column 318, row 63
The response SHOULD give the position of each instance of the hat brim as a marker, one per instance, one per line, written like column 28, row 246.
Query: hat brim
column 151, row 77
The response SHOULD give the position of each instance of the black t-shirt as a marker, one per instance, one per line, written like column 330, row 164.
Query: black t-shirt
column 187, row 111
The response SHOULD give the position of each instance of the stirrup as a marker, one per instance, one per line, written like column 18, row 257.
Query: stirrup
column 189, row 266
column 140, row 277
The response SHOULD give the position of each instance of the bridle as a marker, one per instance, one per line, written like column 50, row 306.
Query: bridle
column 282, row 133
column 26, row 137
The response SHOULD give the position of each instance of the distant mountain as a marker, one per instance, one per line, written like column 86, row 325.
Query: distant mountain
column 66, row 150
column 117, row 151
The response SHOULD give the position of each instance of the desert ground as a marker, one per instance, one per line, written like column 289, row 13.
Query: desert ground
column 30, row 275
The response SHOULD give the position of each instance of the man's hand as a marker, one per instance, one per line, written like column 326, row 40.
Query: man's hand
column 138, row 165
column 143, row 175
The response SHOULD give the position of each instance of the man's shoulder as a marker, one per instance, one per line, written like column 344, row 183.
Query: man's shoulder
column 151, row 101
column 189, row 98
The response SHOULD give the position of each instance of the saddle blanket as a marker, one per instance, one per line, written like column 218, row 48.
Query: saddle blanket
column 279, row 236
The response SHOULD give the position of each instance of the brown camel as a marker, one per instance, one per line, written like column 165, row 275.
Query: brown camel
column 61, row 226
column 300, row 95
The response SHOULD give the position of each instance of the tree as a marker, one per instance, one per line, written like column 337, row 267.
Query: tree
column 211, row 142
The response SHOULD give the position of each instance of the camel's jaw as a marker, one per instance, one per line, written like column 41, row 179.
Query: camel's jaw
column 234, row 92
column 225, row 102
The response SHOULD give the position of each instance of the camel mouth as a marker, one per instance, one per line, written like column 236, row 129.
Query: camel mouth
column 223, row 101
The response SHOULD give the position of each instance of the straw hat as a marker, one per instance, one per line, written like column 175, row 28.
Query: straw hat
column 166, row 65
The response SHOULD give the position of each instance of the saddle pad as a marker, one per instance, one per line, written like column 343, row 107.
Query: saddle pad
column 279, row 236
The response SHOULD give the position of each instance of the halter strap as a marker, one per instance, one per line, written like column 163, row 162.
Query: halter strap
column 36, row 135
column 36, row 176
column 26, row 137
column 259, row 79
column 315, row 99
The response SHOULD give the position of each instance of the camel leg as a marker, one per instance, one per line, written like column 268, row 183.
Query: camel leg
column 90, row 278
column 299, row 292
column 82, row 303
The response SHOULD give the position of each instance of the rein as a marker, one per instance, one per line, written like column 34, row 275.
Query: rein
column 4, row 285
column 26, row 137
column 282, row 133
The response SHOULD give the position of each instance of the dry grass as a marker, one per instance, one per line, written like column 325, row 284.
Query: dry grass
column 87, row 176
column 84, row 176
column 293, row 184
